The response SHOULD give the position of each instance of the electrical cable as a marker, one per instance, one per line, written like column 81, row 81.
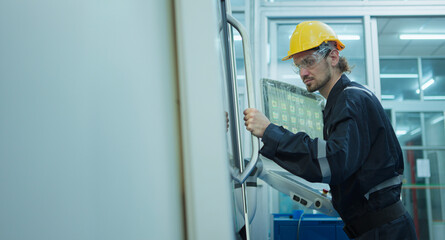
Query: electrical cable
column 298, row 228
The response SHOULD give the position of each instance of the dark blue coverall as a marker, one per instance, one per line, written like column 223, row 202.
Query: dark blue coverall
column 360, row 158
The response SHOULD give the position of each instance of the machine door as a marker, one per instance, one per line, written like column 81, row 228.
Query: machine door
column 238, row 96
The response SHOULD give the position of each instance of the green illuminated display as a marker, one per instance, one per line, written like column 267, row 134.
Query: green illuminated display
column 294, row 108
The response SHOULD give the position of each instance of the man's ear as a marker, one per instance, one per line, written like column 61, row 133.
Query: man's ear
column 334, row 55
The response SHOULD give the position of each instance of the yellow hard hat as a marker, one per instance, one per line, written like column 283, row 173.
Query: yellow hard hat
column 311, row 34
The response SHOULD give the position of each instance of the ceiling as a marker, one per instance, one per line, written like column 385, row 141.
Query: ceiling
column 389, row 29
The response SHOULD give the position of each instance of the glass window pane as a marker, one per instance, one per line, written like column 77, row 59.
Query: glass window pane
column 237, row 39
column 409, row 131
column 434, row 129
column 437, row 183
column 309, row 0
column 241, row 84
column 418, row 193
column 408, row 128
column 413, row 193
column 240, row 17
column 433, row 82
column 354, row 51
column 238, row 44
column 403, row 0
column 237, row 3
column 408, row 36
column 284, row 70
column 399, row 79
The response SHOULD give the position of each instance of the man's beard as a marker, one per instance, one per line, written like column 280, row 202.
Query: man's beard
column 315, row 85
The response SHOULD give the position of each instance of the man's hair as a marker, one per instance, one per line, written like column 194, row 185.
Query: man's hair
column 326, row 48
column 343, row 65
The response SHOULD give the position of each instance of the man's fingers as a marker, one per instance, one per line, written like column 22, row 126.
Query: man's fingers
column 249, row 110
column 248, row 115
column 248, row 122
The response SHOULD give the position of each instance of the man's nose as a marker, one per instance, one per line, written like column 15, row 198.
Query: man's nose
column 303, row 72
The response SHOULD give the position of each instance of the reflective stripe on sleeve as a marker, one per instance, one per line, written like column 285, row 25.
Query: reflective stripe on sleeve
column 323, row 162
column 357, row 88
column 387, row 183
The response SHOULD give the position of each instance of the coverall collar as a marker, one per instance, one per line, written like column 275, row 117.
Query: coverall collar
column 335, row 91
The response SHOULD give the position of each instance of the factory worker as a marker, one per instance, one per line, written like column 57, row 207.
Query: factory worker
column 359, row 155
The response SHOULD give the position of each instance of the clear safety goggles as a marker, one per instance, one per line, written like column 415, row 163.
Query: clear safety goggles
column 310, row 62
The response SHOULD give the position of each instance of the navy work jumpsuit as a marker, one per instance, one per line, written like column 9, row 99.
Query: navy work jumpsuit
column 360, row 158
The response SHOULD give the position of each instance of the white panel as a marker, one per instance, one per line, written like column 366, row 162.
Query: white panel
column 88, row 121
column 203, row 124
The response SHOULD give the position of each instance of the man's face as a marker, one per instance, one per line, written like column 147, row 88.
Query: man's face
column 313, row 69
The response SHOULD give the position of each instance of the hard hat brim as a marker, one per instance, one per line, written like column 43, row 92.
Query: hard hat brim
column 340, row 46
column 287, row 57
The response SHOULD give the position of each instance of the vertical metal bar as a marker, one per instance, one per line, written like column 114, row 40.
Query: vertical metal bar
column 441, row 178
column 273, row 50
column 250, row 95
column 369, row 60
column 375, row 56
column 419, row 80
column 233, row 115
column 232, row 98
column 429, row 209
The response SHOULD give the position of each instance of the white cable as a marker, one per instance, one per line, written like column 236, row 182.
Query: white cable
column 298, row 228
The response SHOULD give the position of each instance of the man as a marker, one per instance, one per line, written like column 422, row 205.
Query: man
column 359, row 157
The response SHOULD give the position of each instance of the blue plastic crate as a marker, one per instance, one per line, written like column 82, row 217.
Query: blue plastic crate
column 308, row 226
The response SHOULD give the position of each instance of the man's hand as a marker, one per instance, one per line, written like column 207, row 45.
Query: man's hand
column 255, row 122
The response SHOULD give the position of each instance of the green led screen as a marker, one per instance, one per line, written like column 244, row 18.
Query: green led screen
column 294, row 108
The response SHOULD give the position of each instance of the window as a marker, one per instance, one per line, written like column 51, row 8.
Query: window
column 422, row 137
column 408, row 128
column 399, row 79
column 308, row 0
column 411, row 60
column 350, row 33
column 433, row 79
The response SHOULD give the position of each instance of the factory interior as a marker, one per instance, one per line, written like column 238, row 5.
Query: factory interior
column 124, row 119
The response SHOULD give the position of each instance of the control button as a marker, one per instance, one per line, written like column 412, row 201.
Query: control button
column 304, row 202
column 296, row 198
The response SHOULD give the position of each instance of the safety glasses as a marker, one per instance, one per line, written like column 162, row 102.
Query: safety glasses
column 310, row 62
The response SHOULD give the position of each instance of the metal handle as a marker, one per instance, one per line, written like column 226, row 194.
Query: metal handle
column 242, row 176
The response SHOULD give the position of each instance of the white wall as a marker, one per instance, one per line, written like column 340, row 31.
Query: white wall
column 88, row 121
